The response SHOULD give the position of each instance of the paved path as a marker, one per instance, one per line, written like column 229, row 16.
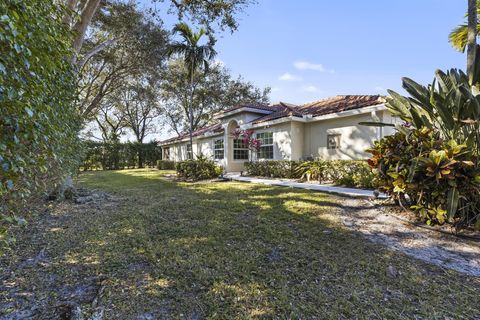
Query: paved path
column 351, row 192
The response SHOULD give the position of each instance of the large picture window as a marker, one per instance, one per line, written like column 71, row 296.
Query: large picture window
column 266, row 145
column 240, row 150
column 218, row 149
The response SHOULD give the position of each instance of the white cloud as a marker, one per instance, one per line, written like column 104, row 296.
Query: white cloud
column 304, row 65
column 310, row 88
column 289, row 77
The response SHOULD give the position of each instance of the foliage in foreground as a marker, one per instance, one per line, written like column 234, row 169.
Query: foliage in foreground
column 438, row 176
column 433, row 159
column 198, row 169
column 38, row 122
column 351, row 173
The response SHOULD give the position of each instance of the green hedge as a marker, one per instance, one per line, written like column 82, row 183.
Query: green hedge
column 273, row 168
column 351, row 173
column 200, row 169
column 165, row 165
column 39, row 121
column 115, row 156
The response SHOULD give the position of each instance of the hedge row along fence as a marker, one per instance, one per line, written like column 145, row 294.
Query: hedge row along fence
column 351, row 173
column 116, row 156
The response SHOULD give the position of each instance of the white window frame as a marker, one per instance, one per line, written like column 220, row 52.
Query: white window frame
column 215, row 149
column 265, row 145
column 233, row 149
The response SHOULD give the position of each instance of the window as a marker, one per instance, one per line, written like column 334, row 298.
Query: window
column 189, row 151
column 166, row 153
column 240, row 150
column 218, row 149
column 266, row 145
column 333, row 141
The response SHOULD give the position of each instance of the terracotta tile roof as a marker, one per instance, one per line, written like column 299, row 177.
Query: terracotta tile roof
column 323, row 107
column 214, row 128
column 282, row 110
column 339, row 104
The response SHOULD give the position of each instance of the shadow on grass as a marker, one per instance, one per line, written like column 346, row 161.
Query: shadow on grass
column 236, row 250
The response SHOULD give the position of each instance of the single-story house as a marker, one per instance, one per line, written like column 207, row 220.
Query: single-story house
column 325, row 129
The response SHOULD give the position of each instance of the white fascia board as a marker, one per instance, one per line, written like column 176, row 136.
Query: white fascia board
column 245, row 109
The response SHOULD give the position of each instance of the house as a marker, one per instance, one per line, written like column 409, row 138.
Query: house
column 325, row 129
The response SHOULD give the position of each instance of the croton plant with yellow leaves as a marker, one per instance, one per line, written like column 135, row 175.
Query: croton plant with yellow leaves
column 431, row 162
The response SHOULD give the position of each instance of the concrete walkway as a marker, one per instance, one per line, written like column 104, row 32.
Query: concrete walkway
column 351, row 192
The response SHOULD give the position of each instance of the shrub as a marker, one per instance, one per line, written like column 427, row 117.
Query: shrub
column 273, row 168
column 165, row 165
column 199, row 169
column 440, row 177
column 39, row 122
column 352, row 173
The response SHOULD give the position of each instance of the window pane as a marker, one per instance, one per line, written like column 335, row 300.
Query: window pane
column 265, row 137
column 218, row 144
column 239, row 144
column 265, row 152
column 240, row 154
column 219, row 154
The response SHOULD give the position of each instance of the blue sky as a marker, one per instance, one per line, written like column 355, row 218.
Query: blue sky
column 310, row 49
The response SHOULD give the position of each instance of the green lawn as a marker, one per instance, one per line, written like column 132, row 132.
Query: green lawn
column 233, row 250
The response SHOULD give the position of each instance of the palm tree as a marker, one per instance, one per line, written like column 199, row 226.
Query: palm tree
column 195, row 56
column 464, row 36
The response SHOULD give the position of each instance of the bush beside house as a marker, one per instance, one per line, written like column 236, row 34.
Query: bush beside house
column 199, row 169
column 351, row 173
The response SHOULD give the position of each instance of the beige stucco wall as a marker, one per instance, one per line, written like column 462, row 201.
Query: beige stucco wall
column 294, row 140
column 354, row 138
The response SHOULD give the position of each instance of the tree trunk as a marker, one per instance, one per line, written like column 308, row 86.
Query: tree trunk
column 472, row 37
column 190, row 111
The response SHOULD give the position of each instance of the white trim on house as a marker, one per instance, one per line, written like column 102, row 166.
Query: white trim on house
column 222, row 115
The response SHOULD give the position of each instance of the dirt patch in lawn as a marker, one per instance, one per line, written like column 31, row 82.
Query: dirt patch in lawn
column 385, row 225
column 29, row 287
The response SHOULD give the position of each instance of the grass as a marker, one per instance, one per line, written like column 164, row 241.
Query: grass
column 235, row 250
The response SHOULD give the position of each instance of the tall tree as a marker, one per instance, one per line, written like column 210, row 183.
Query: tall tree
column 196, row 57
column 214, row 91
column 139, row 104
column 81, row 13
column 137, row 51
column 472, row 38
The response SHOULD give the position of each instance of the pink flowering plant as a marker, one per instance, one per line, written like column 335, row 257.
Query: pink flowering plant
column 247, row 138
